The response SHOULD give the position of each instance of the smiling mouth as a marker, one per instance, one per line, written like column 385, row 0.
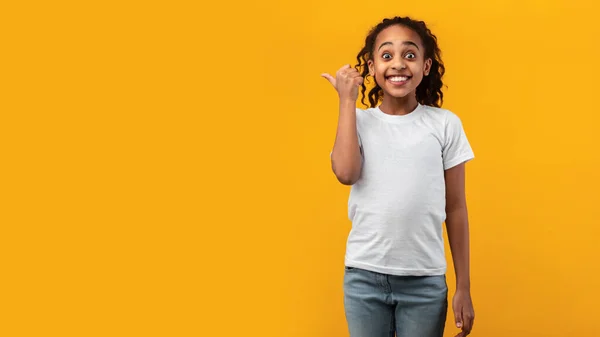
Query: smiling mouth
column 398, row 79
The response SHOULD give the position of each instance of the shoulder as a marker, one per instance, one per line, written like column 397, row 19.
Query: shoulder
column 439, row 114
column 363, row 112
column 364, row 115
column 440, row 117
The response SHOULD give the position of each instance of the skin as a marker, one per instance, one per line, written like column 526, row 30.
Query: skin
column 399, row 51
column 457, row 225
column 346, row 159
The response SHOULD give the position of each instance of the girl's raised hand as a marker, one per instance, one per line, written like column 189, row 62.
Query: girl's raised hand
column 346, row 82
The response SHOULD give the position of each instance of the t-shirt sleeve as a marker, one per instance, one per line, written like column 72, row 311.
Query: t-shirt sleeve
column 456, row 149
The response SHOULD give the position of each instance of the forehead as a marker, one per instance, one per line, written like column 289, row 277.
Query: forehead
column 397, row 34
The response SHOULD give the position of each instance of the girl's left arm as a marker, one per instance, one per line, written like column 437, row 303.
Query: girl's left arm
column 457, row 224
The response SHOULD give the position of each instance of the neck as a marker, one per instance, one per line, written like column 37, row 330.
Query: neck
column 398, row 105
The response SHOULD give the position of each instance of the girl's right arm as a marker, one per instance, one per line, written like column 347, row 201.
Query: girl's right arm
column 346, row 158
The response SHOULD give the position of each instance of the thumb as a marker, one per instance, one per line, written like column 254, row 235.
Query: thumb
column 458, row 318
column 329, row 78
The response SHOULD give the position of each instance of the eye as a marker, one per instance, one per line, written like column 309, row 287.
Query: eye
column 410, row 55
column 386, row 56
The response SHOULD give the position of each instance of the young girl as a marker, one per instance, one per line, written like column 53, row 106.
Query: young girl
column 405, row 160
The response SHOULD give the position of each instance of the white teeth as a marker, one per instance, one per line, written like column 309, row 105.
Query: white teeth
column 398, row 78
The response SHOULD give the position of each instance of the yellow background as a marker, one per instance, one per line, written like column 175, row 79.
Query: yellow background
column 166, row 164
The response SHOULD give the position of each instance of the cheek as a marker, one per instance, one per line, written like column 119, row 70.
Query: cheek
column 419, row 69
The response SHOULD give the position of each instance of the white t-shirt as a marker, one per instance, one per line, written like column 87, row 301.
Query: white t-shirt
column 397, row 206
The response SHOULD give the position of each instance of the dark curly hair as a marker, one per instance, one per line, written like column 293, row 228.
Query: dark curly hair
column 429, row 91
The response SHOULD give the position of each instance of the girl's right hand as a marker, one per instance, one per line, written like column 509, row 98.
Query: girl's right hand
column 346, row 82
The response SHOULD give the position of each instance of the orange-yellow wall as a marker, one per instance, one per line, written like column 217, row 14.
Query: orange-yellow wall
column 167, row 165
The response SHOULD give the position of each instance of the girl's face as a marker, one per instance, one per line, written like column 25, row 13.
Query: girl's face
column 398, row 62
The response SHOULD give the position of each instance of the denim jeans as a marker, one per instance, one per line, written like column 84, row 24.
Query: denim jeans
column 379, row 305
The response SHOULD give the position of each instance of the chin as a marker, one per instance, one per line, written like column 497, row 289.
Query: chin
column 397, row 93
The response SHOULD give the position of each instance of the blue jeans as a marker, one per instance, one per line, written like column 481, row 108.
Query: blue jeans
column 379, row 305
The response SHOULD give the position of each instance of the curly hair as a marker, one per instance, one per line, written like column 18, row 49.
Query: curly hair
column 429, row 91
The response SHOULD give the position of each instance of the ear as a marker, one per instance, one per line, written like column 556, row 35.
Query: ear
column 371, row 68
column 427, row 67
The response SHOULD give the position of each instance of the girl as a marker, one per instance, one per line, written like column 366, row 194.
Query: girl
column 404, row 158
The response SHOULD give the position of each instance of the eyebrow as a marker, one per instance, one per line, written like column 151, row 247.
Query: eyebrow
column 404, row 43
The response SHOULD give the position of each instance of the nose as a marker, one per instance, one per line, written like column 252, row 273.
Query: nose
column 399, row 64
